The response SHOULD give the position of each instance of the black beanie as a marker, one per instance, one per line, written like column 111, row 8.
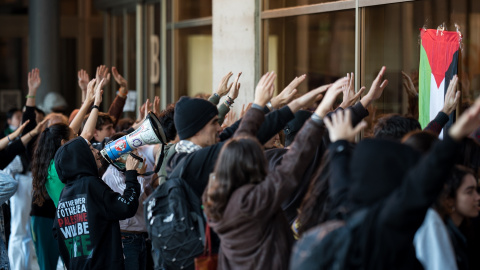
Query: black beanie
column 292, row 127
column 191, row 115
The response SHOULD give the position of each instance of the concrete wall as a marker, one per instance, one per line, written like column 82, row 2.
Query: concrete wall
column 233, row 33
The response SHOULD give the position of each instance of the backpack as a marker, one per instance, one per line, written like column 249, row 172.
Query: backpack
column 329, row 245
column 175, row 222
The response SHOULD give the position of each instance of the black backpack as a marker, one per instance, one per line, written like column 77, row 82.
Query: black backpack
column 175, row 222
column 329, row 245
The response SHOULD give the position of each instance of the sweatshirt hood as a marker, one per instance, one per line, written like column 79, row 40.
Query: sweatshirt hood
column 377, row 168
column 75, row 160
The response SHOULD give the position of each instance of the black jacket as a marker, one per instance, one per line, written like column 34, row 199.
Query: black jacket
column 203, row 161
column 86, row 222
column 397, row 200
column 275, row 157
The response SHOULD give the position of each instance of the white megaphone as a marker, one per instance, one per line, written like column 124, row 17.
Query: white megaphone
column 150, row 132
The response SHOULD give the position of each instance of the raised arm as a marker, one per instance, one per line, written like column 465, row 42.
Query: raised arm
column 34, row 82
column 267, row 196
column 89, row 128
column 452, row 97
column 83, row 80
column 341, row 132
column 263, row 93
column 5, row 140
column 349, row 95
column 287, row 93
column 116, row 108
column 376, row 89
column 89, row 98
column 222, row 89
column 224, row 108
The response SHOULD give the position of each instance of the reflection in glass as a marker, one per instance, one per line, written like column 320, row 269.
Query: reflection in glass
column 321, row 46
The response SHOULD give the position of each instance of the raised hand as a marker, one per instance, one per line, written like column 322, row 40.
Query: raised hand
column 340, row 126
column 98, row 92
column 264, row 90
column 102, row 74
column 288, row 92
column 234, row 88
column 468, row 122
column 148, row 107
column 245, row 109
column 156, row 106
column 308, row 99
column 123, row 91
column 349, row 95
column 452, row 97
column 409, row 86
column 18, row 131
column 83, row 79
column 38, row 129
column 34, row 80
column 327, row 103
column 223, row 86
column 376, row 89
column 230, row 118
column 90, row 94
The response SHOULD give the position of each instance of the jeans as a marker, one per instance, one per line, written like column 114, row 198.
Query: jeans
column 134, row 250
column 20, row 247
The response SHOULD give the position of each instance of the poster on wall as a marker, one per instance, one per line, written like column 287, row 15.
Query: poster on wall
column 438, row 64
column 10, row 99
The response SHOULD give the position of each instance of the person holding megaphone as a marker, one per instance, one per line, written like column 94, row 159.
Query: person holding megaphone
column 86, row 221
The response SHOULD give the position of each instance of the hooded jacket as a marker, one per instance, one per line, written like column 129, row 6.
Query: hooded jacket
column 86, row 222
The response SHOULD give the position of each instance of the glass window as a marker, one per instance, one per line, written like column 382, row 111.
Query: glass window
column 131, row 53
column 274, row 4
column 13, row 53
column 117, row 53
column 392, row 39
column 193, row 61
column 192, row 9
column 321, row 46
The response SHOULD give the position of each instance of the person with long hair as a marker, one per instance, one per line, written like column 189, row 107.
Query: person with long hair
column 458, row 203
column 47, row 185
column 243, row 202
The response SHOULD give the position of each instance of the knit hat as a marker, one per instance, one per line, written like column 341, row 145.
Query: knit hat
column 295, row 125
column 191, row 115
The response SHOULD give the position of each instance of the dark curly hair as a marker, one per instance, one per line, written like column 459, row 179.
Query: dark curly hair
column 394, row 127
column 452, row 184
column 241, row 161
column 166, row 120
column 47, row 145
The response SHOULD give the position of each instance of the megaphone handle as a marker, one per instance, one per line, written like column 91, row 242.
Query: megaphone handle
column 136, row 157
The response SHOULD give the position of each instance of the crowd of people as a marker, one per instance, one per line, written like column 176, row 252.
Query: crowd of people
column 290, row 184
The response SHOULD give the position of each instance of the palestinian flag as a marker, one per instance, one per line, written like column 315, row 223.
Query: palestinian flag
column 438, row 64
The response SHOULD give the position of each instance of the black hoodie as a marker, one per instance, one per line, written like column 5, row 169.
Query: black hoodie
column 86, row 223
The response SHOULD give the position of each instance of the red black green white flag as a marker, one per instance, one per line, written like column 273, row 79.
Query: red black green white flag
column 438, row 64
